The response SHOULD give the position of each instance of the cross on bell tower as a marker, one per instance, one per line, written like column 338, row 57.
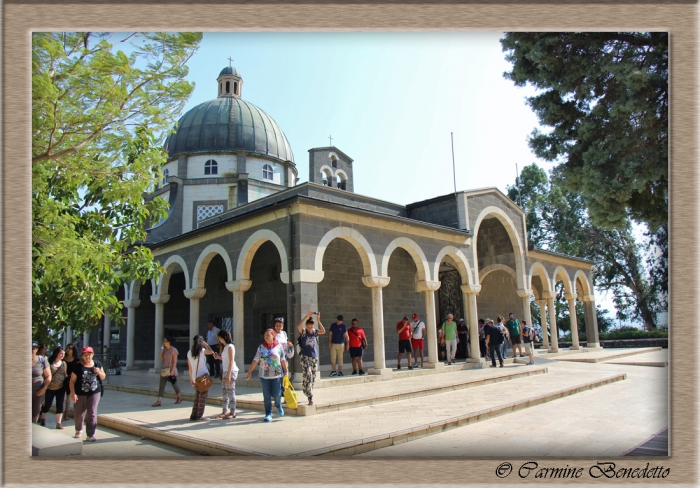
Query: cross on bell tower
column 330, row 140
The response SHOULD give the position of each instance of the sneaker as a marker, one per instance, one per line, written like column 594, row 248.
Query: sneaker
column 59, row 426
column 410, row 367
column 362, row 372
column 280, row 412
column 78, row 434
column 42, row 422
column 492, row 366
column 333, row 373
column 340, row 373
column 501, row 365
column 268, row 418
column 398, row 367
column 530, row 363
column 354, row 371
column 91, row 439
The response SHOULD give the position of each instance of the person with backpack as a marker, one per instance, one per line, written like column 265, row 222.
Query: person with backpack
column 358, row 343
column 85, row 391
column 41, row 378
column 59, row 372
column 528, row 340
column 494, row 341
column 513, row 326
column 308, row 352
column 500, row 323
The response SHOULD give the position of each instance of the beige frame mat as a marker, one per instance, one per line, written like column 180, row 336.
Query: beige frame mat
column 20, row 18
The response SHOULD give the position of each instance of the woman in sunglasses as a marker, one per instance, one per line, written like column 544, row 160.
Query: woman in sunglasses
column 85, row 390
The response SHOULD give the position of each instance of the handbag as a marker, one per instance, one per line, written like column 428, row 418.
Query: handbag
column 165, row 372
column 290, row 395
column 204, row 382
column 362, row 339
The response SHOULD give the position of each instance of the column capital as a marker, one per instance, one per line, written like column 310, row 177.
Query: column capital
column 588, row 298
column 158, row 299
column 238, row 285
column 570, row 296
column 525, row 293
column 540, row 302
column 471, row 289
column 307, row 276
column 548, row 295
column 425, row 285
column 132, row 303
column 375, row 281
column 194, row 293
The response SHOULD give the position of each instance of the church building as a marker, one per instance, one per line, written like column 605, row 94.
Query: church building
column 244, row 243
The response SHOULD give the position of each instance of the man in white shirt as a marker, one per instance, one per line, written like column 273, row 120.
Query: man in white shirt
column 213, row 365
column 417, row 339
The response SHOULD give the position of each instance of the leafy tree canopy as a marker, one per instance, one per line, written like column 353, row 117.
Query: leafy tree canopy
column 605, row 98
column 98, row 114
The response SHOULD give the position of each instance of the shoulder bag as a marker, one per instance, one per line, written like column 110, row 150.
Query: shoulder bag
column 362, row 339
column 204, row 382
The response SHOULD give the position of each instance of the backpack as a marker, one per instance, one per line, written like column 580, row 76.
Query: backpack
column 500, row 337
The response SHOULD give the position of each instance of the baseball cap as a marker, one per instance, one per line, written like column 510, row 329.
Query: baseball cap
column 35, row 345
column 461, row 320
column 339, row 317
column 415, row 316
column 88, row 349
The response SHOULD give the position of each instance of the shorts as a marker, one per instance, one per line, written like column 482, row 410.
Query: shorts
column 356, row 352
column 417, row 344
column 337, row 351
column 515, row 339
column 529, row 348
column 405, row 346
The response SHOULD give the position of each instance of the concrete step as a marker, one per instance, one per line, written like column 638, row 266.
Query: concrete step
column 613, row 354
column 50, row 442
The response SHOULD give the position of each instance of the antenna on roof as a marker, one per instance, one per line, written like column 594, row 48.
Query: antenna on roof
column 517, row 183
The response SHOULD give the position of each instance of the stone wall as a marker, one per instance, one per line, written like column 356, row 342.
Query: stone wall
column 498, row 296
column 493, row 245
column 440, row 212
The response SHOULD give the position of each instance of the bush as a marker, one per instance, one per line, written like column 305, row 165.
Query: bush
column 622, row 333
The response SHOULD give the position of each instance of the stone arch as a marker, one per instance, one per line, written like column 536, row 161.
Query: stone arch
column 357, row 240
column 518, row 249
column 341, row 174
column 459, row 258
column 327, row 173
column 539, row 270
column 581, row 277
column 252, row 244
column 171, row 263
column 496, row 267
column 205, row 257
column 414, row 250
column 132, row 290
column 561, row 274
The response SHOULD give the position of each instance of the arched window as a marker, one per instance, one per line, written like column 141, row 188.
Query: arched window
column 228, row 87
column 235, row 88
column 267, row 172
column 334, row 162
column 211, row 167
column 165, row 176
column 221, row 88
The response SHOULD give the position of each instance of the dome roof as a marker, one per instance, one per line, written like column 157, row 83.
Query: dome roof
column 228, row 124
column 230, row 70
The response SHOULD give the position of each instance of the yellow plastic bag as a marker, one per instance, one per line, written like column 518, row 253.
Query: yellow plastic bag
column 290, row 396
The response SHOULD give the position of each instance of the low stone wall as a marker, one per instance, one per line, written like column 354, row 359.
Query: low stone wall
column 620, row 343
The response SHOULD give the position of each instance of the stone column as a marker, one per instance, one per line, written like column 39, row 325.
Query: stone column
column 159, row 301
column 194, row 294
column 238, row 288
column 552, row 312
column 470, row 292
column 304, row 300
column 593, row 342
column 86, row 339
column 571, row 298
column 130, row 331
column 543, row 322
column 525, row 295
column 107, row 333
column 429, row 288
column 376, row 283
column 69, row 336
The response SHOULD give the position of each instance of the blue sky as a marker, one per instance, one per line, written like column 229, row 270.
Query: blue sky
column 390, row 101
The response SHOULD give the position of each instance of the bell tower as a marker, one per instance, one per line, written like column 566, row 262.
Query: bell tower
column 230, row 83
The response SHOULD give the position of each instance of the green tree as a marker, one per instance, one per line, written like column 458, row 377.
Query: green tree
column 605, row 97
column 98, row 115
column 558, row 221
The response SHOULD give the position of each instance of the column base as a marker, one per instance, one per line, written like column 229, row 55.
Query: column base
column 553, row 349
column 438, row 367
column 593, row 347
column 384, row 373
column 480, row 361
column 305, row 410
column 131, row 368
column 575, row 348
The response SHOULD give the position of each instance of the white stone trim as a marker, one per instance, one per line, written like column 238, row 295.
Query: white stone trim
column 358, row 241
column 561, row 272
column 460, row 259
column 415, row 251
column 205, row 257
column 342, row 174
column 307, row 276
column 132, row 289
column 586, row 284
column 165, row 277
column 252, row 244
column 541, row 271
column 495, row 267
column 518, row 249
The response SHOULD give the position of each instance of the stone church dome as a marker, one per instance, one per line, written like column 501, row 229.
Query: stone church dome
column 228, row 124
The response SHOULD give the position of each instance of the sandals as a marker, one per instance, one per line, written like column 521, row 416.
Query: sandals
column 179, row 400
column 221, row 416
column 230, row 416
column 157, row 404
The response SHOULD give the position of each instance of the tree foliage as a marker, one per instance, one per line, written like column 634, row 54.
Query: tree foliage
column 605, row 97
column 558, row 221
column 98, row 114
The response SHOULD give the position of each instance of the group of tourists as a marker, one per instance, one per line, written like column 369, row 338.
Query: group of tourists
column 65, row 373
column 495, row 337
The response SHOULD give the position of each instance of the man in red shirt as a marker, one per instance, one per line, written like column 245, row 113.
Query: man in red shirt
column 355, row 334
column 404, row 330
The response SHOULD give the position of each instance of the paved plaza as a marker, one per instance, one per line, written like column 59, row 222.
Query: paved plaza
column 557, row 407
